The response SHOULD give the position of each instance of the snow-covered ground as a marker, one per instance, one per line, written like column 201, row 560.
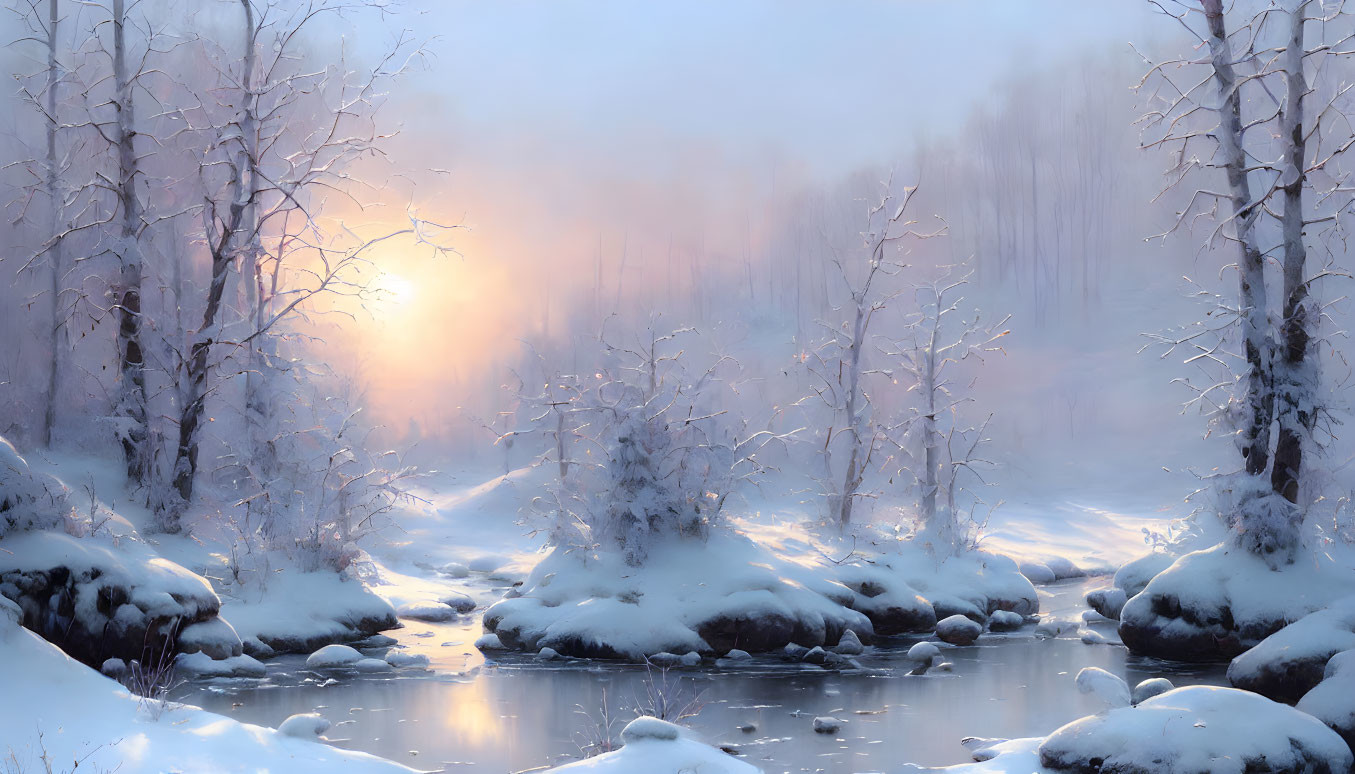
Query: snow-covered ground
column 61, row 709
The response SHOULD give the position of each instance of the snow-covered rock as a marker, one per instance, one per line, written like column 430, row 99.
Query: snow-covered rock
column 646, row 727
column 459, row 602
column 372, row 665
column 336, row 609
column 548, row 654
column 214, row 637
column 306, row 725
column 97, row 597
column 849, row 644
column 1129, row 580
column 1108, row 602
column 1092, row 637
column 426, row 611
column 738, row 655
column 1037, row 573
column 331, row 656
column 1149, row 688
column 1290, row 662
column 400, row 658
column 1111, row 689
column 1216, row 603
column 1332, row 701
column 1005, row 621
column 489, row 642
column 958, row 630
column 924, row 652
column 653, row 746
column 199, row 664
column 455, row 570
column 1198, row 730
column 114, row 668
column 827, row 725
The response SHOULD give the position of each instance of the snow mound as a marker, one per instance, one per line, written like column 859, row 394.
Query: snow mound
column 331, row 656
column 1290, row 662
column 1213, row 604
column 653, row 746
column 304, row 726
column 336, row 610
column 1153, row 686
column 649, row 728
column 60, row 693
column 1198, row 730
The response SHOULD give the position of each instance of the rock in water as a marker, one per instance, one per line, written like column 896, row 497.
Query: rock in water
column 331, row 656
column 827, row 725
column 1004, row 621
column 849, row 645
column 1109, row 688
column 924, row 652
column 958, row 630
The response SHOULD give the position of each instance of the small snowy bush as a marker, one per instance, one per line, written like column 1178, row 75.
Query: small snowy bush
column 28, row 501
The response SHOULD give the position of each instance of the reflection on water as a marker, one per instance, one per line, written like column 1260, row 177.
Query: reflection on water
column 516, row 714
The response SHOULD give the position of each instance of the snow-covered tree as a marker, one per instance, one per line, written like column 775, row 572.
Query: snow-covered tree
column 945, row 331
column 1265, row 109
column 661, row 454
column 840, row 367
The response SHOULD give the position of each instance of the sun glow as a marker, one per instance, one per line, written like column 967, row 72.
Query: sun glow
column 395, row 291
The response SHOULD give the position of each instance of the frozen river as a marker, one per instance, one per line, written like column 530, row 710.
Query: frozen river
column 515, row 714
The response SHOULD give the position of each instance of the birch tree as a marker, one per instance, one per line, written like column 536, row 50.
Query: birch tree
column 1250, row 111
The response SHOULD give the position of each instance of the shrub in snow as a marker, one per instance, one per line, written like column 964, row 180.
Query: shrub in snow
column 1213, row 604
column 958, row 630
column 1288, row 663
column 1332, row 701
column 28, row 501
column 1197, row 730
column 307, row 725
column 333, row 656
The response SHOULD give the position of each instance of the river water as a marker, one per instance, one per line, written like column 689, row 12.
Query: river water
column 514, row 714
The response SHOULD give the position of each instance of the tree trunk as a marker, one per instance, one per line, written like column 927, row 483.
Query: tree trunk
column 54, row 255
column 131, row 403
column 1294, row 378
column 1254, row 441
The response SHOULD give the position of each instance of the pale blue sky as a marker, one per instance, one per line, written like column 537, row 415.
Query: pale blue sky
column 831, row 84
